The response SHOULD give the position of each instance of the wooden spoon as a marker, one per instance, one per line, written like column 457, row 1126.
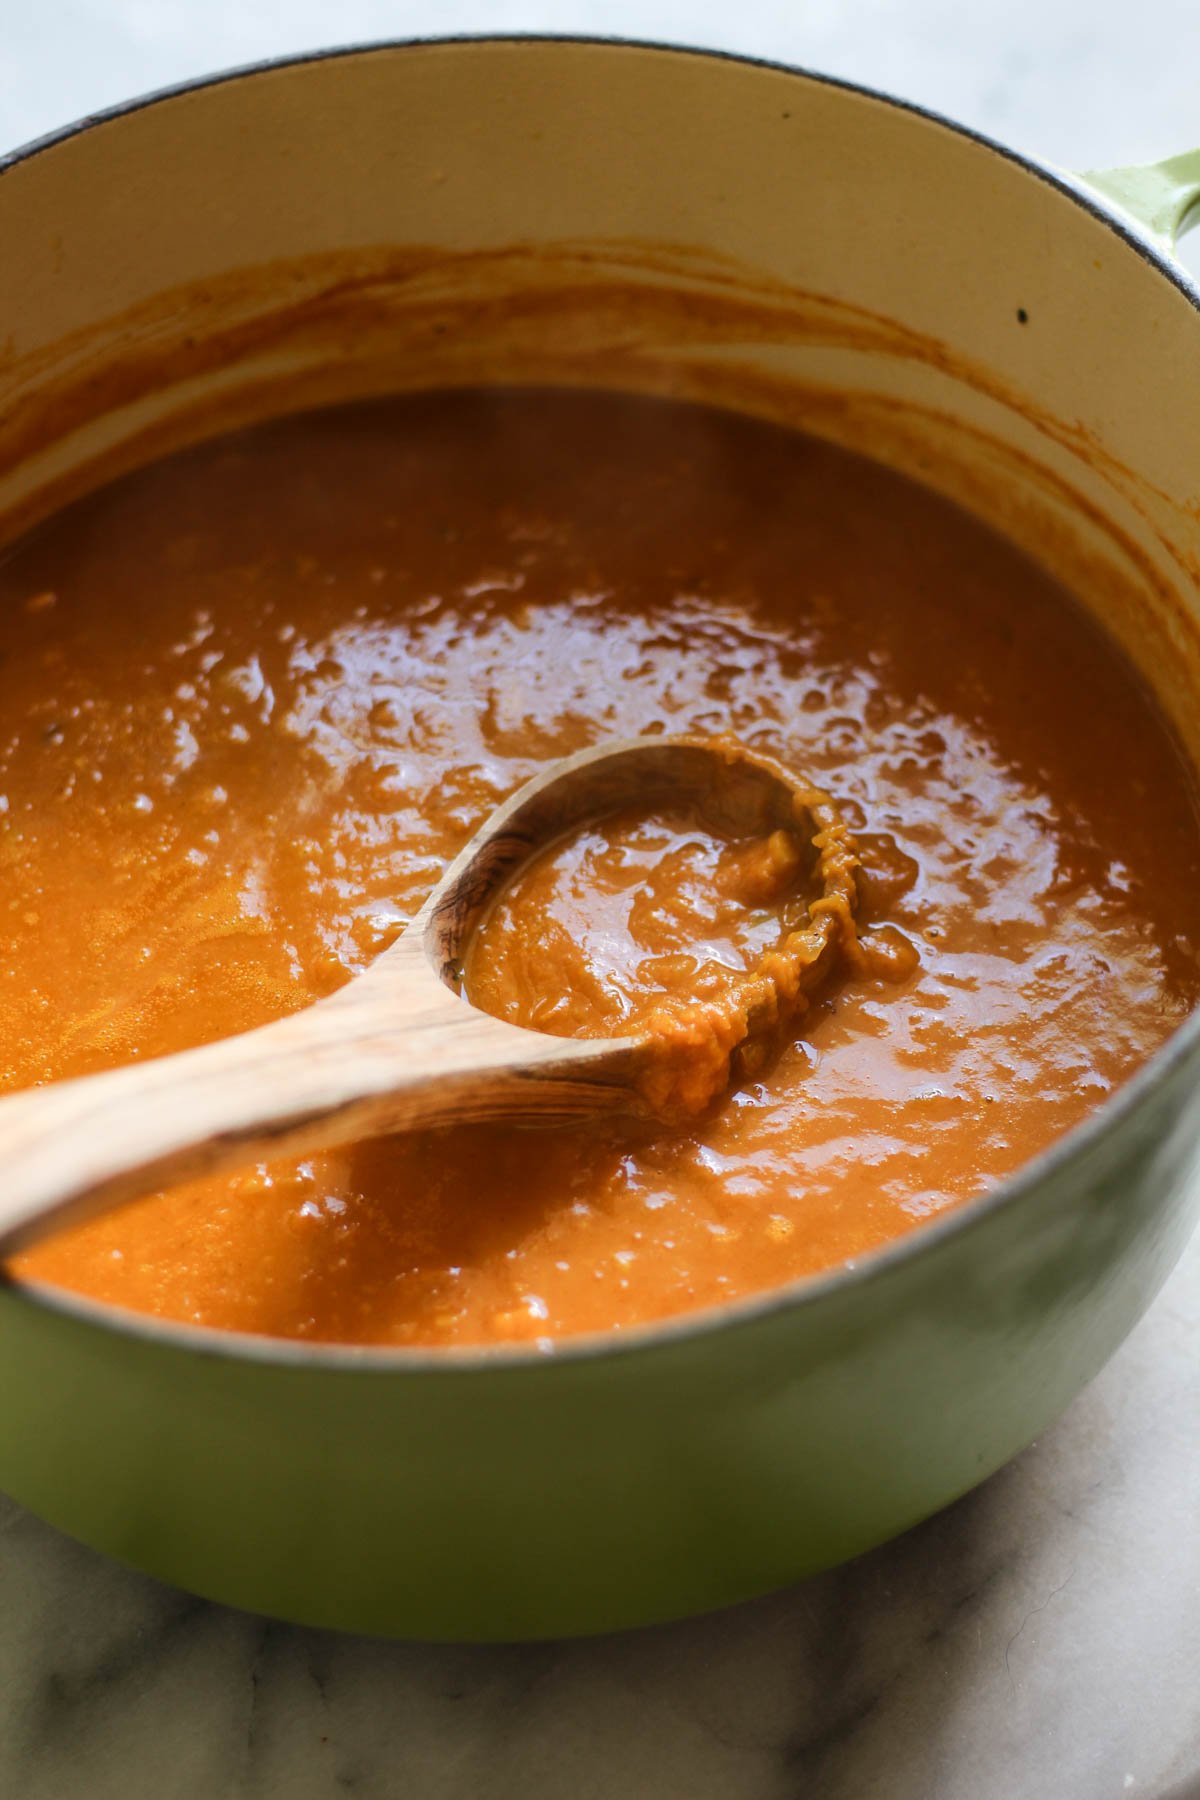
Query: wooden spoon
column 397, row 1046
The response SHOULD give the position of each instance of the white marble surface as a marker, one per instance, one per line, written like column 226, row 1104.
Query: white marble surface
column 1038, row 1641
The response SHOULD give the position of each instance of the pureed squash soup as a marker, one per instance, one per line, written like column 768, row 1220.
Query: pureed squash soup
column 254, row 697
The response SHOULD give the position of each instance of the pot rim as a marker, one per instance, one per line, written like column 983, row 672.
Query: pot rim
column 804, row 1291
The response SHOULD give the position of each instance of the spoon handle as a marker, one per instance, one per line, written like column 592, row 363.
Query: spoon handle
column 383, row 1054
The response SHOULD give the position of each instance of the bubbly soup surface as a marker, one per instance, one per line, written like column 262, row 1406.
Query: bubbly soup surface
column 253, row 698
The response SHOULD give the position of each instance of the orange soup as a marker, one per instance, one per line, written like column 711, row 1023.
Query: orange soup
column 254, row 698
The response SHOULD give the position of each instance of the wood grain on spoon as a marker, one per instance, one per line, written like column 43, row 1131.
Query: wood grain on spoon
column 398, row 1047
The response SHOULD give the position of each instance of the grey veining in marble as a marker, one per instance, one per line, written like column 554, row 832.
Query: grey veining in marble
column 1038, row 1641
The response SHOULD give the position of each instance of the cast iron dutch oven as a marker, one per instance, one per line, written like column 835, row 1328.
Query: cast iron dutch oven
column 418, row 214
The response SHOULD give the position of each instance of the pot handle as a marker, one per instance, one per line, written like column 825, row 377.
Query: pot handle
column 1163, row 197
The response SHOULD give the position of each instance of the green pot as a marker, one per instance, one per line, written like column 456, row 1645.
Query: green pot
column 591, row 212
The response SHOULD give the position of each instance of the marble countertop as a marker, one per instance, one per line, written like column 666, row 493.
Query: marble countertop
column 1040, row 1640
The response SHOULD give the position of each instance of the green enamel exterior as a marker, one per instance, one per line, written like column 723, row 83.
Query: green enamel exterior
column 1162, row 197
column 641, row 1478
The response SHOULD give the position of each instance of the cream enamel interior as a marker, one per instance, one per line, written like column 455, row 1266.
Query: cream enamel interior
column 557, row 211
